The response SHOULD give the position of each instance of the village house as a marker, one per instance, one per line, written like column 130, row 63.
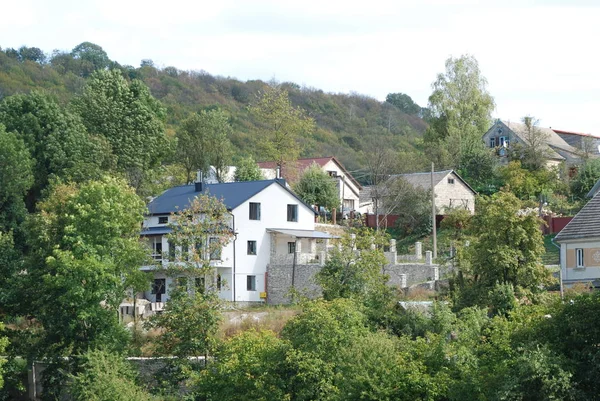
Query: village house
column 586, row 143
column 271, row 225
column 504, row 134
column 580, row 246
column 451, row 191
column 348, row 187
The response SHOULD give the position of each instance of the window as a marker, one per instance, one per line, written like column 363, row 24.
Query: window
column 503, row 141
column 199, row 249
column 219, row 282
column 579, row 255
column 200, row 283
column 214, row 248
column 348, row 204
column 291, row 247
column 251, row 247
column 292, row 212
column 157, row 248
column 450, row 180
column 185, row 250
column 158, row 288
column 171, row 251
column 332, row 173
column 251, row 283
column 492, row 142
column 254, row 211
column 163, row 219
column 182, row 282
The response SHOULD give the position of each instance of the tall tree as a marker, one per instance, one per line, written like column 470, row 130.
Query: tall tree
column 92, row 57
column 16, row 177
column 461, row 108
column 130, row 119
column 247, row 170
column 56, row 139
column 283, row 124
column 533, row 151
column 202, row 141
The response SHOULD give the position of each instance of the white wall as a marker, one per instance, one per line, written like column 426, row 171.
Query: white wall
column 447, row 195
column 274, row 200
column 584, row 274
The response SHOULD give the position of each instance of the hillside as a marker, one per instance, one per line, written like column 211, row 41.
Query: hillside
column 346, row 123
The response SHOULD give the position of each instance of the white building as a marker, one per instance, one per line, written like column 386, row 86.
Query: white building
column 270, row 224
column 348, row 187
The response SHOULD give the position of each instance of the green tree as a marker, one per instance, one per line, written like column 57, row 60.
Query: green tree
column 85, row 255
column 32, row 54
column 507, row 249
column 316, row 187
column 16, row 177
column 105, row 376
column 461, row 111
column 527, row 184
column 533, row 152
column 56, row 139
column 91, row 56
column 403, row 102
column 587, row 176
column 283, row 125
column 411, row 204
column 203, row 140
column 3, row 345
column 248, row 170
column 128, row 117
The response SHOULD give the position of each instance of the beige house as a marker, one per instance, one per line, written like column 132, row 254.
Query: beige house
column 348, row 187
column 451, row 191
column 504, row 134
column 580, row 246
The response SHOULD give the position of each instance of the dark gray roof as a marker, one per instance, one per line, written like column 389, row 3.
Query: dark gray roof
column 156, row 230
column 595, row 189
column 585, row 224
column 232, row 194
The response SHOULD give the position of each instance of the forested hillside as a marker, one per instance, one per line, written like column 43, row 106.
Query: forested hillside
column 346, row 124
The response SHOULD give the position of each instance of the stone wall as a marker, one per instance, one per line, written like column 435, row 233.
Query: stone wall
column 279, row 282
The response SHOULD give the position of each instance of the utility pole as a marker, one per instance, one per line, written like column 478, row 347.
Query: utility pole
column 433, row 216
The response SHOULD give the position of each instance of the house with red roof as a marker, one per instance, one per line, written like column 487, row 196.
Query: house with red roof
column 587, row 143
column 348, row 186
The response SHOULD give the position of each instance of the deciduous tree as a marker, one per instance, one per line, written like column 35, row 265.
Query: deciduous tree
column 316, row 187
column 248, row 170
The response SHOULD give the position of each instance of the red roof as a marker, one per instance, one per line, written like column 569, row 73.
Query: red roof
column 560, row 131
column 305, row 163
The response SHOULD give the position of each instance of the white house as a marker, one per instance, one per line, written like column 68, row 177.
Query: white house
column 348, row 187
column 270, row 224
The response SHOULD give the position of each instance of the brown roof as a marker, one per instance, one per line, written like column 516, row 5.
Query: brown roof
column 585, row 224
column 560, row 131
column 303, row 164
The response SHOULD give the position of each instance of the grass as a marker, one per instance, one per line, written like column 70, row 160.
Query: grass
column 271, row 318
column 552, row 254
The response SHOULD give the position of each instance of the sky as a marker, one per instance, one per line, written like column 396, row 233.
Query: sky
column 540, row 58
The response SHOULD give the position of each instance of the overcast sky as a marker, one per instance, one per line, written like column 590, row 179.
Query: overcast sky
column 540, row 57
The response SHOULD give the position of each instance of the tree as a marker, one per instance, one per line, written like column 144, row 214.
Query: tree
column 506, row 249
column 105, row 376
column 56, row 140
column 92, row 55
column 247, row 170
column 3, row 345
column 533, row 151
column 85, row 254
column 203, row 140
column 587, row 176
column 524, row 183
column 32, row 54
column 461, row 111
column 403, row 102
column 316, row 187
column 16, row 177
column 283, row 125
column 411, row 204
column 130, row 119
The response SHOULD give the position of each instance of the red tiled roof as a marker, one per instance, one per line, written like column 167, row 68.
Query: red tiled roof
column 560, row 131
column 303, row 164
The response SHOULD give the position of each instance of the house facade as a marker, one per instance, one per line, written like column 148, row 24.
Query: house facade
column 586, row 143
column 503, row 135
column 348, row 187
column 270, row 223
column 580, row 246
column 451, row 191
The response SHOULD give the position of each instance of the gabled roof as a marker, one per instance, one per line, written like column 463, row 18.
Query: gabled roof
column 423, row 180
column 585, row 224
column 556, row 146
column 232, row 194
column 303, row 164
column 563, row 132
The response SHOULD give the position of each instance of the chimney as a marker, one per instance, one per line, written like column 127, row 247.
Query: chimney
column 278, row 171
column 198, row 183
